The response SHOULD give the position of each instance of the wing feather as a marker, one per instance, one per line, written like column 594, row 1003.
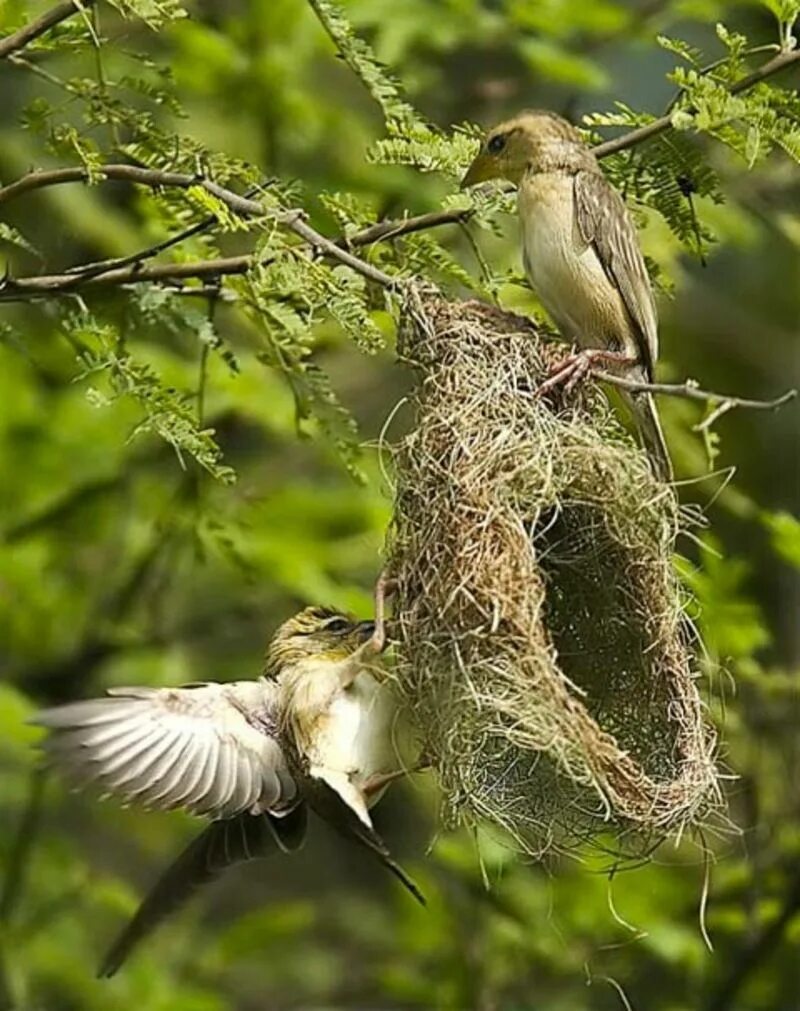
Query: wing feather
column 605, row 223
column 160, row 794
column 210, row 748
column 175, row 780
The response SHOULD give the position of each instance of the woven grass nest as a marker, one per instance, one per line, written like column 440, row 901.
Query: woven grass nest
column 543, row 646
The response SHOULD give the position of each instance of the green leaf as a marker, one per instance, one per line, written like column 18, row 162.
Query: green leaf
column 784, row 531
column 14, row 237
column 154, row 13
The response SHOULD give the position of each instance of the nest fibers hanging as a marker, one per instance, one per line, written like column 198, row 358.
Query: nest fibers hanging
column 543, row 648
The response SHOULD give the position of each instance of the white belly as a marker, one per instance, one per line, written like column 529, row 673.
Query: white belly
column 565, row 272
column 355, row 738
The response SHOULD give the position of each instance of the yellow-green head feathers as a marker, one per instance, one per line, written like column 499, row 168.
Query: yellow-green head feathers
column 316, row 633
column 533, row 141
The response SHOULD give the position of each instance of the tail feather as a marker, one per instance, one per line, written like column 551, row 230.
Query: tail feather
column 645, row 413
column 221, row 845
column 327, row 803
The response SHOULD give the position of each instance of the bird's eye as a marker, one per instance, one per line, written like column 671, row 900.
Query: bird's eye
column 337, row 625
column 496, row 144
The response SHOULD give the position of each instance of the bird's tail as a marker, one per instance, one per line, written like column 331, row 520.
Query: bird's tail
column 222, row 844
column 327, row 803
column 645, row 414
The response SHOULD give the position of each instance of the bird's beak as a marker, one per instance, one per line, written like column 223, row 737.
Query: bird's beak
column 365, row 630
column 482, row 168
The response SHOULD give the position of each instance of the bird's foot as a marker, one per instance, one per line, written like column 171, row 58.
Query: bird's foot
column 380, row 780
column 578, row 365
column 385, row 588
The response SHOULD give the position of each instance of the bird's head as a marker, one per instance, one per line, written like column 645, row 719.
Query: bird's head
column 534, row 141
column 316, row 633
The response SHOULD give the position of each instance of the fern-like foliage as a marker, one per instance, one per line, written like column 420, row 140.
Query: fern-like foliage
column 358, row 56
column 166, row 412
column 155, row 13
column 297, row 300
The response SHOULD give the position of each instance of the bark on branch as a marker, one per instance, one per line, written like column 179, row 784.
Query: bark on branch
column 689, row 390
column 294, row 220
column 28, row 33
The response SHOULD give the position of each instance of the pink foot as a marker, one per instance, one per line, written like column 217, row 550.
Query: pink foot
column 384, row 588
column 578, row 365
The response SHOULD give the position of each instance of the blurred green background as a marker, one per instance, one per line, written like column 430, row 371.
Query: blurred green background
column 117, row 565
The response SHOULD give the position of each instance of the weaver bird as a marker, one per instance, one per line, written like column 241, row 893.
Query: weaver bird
column 315, row 730
column 581, row 255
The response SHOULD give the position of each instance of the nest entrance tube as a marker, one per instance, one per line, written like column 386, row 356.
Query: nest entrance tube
column 544, row 651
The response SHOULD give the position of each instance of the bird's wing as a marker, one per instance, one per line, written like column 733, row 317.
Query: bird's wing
column 605, row 223
column 212, row 749
column 220, row 846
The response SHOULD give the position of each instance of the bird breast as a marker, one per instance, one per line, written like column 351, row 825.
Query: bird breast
column 355, row 733
column 564, row 271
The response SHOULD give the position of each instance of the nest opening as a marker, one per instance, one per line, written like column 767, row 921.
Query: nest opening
column 544, row 649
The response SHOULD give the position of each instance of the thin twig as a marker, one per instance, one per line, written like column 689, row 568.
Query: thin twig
column 709, row 68
column 383, row 231
column 23, row 289
column 643, row 133
column 30, row 32
column 294, row 220
column 40, row 179
column 691, row 391
column 88, row 270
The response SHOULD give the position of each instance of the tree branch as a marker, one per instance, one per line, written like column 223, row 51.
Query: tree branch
column 383, row 231
column 116, row 273
column 691, row 391
column 40, row 179
column 28, row 33
column 294, row 220
column 663, row 123
column 23, row 289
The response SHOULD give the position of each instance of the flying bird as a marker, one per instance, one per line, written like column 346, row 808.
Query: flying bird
column 316, row 730
column 581, row 255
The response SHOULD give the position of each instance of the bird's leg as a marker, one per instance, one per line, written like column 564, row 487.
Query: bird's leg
column 578, row 365
column 380, row 780
column 384, row 588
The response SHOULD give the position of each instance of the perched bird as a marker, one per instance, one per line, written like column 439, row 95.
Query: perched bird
column 581, row 254
column 316, row 730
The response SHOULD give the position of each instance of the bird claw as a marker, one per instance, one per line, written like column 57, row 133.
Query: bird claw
column 384, row 588
column 380, row 780
column 574, row 369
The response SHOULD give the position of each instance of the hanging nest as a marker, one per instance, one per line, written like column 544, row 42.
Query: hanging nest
column 543, row 648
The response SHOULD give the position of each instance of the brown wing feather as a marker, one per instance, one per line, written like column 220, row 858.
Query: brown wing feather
column 606, row 223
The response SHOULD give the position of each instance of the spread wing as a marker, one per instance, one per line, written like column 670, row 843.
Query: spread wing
column 212, row 749
column 605, row 222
